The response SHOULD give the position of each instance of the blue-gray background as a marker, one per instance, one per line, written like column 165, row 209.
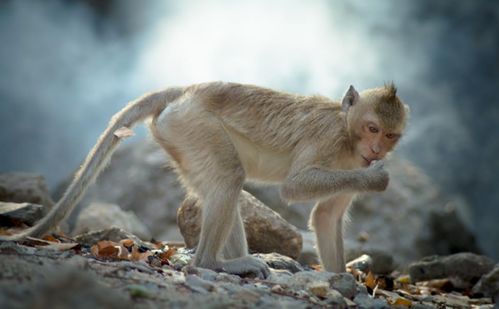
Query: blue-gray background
column 67, row 66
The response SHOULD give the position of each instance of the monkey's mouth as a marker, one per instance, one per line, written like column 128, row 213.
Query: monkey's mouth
column 367, row 161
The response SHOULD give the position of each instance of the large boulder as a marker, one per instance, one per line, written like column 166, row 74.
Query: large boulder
column 99, row 216
column 14, row 213
column 138, row 178
column 266, row 230
column 25, row 188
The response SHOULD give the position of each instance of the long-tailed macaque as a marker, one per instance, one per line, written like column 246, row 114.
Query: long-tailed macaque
column 220, row 134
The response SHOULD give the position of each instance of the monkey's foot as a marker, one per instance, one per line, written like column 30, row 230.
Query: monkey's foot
column 246, row 265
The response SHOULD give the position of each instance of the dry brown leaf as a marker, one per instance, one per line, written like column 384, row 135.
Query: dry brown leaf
column 393, row 298
column 406, row 279
column 51, row 238
column 105, row 248
column 316, row 267
column 123, row 132
column 123, row 252
column 136, row 255
column 371, row 281
column 401, row 301
column 165, row 256
column 127, row 242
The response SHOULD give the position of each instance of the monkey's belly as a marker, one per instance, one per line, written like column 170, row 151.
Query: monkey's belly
column 260, row 163
column 267, row 166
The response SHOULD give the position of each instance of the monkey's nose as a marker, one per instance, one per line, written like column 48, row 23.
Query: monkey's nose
column 375, row 149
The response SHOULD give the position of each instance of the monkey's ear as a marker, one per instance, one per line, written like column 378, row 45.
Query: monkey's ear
column 350, row 98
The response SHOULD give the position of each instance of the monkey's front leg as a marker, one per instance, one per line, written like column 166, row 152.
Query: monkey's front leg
column 316, row 182
column 326, row 220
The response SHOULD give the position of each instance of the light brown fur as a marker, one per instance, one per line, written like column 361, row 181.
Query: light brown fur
column 220, row 134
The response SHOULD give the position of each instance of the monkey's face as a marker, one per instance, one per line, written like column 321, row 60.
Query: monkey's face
column 374, row 140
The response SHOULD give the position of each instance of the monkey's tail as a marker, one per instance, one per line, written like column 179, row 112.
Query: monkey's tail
column 135, row 111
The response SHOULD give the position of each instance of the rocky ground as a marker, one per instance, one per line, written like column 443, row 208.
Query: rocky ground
column 409, row 247
column 122, row 271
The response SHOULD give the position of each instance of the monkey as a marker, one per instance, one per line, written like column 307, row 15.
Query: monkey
column 219, row 135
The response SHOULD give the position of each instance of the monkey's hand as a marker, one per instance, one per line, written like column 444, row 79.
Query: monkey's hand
column 377, row 176
column 246, row 265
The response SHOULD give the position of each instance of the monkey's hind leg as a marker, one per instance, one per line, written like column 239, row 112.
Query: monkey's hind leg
column 209, row 166
column 236, row 246
column 221, row 222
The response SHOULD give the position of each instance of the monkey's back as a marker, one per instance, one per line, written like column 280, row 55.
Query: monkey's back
column 270, row 118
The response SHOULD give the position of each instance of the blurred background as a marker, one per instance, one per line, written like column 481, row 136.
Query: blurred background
column 68, row 66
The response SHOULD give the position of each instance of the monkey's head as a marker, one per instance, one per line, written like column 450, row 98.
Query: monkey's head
column 376, row 119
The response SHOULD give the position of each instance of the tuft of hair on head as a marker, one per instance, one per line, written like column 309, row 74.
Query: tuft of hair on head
column 389, row 107
column 390, row 91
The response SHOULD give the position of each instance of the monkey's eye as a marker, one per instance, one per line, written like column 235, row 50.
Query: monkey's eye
column 373, row 129
column 391, row 136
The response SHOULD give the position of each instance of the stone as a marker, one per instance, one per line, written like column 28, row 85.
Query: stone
column 308, row 255
column 463, row 269
column 366, row 301
column 279, row 261
column 319, row 289
column 295, row 213
column 113, row 234
column 203, row 273
column 381, row 262
column 199, row 285
column 342, row 282
column 363, row 263
column 98, row 216
column 266, row 230
column 25, row 188
column 335, row 299
column 488, row 285
column 20, row 212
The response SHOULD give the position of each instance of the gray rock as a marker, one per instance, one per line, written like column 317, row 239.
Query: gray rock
column 99, row 216
column 365, row 301
column 25, row 188
column 199, row 285
column 203, row 273
column 488, row 285
column 381, row 262
column 363, row 263
column 80, row 290
column 464, row 269
column 113, row 234
column 335, row 299
column 279, row 261
column 295, row 213
column 447, row 233
column 266, row 231
column 308, row 255
column 343, row 282
column 24, row 212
